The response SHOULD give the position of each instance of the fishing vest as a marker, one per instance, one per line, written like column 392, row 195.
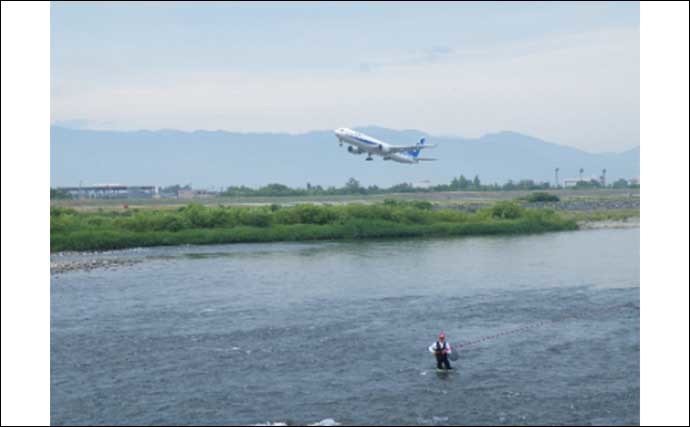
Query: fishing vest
column 439, row 347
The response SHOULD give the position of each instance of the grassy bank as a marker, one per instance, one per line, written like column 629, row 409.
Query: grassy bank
column 196, row 224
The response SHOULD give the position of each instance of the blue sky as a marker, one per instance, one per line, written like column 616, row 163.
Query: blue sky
column 565, row 72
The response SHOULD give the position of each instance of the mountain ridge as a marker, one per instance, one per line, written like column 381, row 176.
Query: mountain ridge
column 210, row 158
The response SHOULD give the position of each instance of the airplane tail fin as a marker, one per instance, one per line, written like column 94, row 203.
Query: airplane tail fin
column 415, row 153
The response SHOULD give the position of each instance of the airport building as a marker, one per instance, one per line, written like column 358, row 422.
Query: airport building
column 112, row 191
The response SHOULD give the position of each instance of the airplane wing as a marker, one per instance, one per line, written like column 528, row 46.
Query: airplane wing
column 425, row 159
column 401, row 148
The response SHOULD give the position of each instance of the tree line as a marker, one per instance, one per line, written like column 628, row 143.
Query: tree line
column 461, row 183
column 353, row 187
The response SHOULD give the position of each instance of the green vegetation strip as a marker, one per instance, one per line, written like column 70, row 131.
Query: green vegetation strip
column 196, row 224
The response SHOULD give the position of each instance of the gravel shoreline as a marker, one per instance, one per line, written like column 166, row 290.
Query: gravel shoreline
column 633, row 222
column 88, row 265
column 565, row 205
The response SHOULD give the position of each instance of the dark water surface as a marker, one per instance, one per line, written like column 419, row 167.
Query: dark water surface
column 299, row 333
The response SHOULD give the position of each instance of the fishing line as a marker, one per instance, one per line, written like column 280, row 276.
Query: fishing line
column 534, row 325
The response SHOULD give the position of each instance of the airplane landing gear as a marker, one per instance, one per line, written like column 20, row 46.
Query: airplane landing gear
column 369, row 158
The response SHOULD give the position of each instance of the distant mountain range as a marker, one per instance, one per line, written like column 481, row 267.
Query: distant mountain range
column 208, row 159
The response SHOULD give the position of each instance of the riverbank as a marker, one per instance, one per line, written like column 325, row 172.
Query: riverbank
column 70, row 261
column 195, row 224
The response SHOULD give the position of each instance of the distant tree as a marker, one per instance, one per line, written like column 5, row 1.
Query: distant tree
column 454, row 184
column 460, row 183
column 527, row 184
column 476, row 183
column 402, row 188
column 276, row 189
column 352, row 186
column 233, row 191
column 620, row 183
column 59, row 194
column 463, row 183
column 592, row 183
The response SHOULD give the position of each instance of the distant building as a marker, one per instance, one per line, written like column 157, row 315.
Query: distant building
column 571, row 182
column 634, row 181
column 111, row 191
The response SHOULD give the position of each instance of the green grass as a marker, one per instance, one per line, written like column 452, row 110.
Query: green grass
column 196, row 224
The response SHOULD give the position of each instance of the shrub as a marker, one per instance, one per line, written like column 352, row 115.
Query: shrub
column 450, row 215
column 196, row 224
column 57, row 211
column 422, row 204
column 255, row 217
column 541, row 196
column 410, row 215
column 506, row 210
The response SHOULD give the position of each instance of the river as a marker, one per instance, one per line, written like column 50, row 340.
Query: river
column 303, row 333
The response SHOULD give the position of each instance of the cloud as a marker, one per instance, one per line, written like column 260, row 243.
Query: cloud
column 435, row 54
column 414, row 57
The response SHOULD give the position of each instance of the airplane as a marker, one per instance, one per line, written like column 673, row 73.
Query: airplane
column 361, row 143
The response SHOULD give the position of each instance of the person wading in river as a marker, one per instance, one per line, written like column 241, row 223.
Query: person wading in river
column 441, row 350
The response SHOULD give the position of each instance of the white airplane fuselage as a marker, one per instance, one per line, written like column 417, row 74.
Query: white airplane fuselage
column 361, row 143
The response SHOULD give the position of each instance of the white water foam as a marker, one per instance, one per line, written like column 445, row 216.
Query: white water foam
column 324, row 422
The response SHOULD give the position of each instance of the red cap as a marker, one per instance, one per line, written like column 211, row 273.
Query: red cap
column 442, row 335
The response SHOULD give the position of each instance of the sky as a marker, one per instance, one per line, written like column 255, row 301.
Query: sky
column 567, row 73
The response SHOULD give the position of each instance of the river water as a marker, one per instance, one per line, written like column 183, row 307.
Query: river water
column 338, row 333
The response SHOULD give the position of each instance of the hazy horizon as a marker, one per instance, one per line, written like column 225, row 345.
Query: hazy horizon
column 75, row 126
